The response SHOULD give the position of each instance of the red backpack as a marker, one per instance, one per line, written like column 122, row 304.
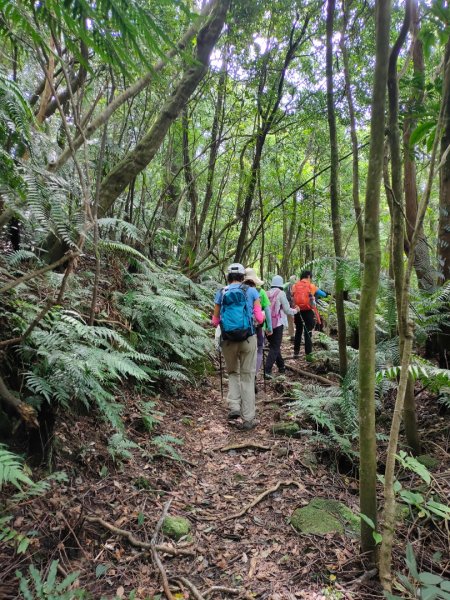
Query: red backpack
column 301, row 293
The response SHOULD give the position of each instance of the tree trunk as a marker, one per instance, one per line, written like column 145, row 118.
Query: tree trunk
column 334, row 194
column 354, row 138
column 366, row 376
column 422, row 261
column 407, row 329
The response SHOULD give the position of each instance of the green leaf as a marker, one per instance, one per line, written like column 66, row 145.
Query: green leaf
column 429, row 578
column 430, row 593
column 411, row 561
column 377, row 537
column 101, row 569
column 421, row 131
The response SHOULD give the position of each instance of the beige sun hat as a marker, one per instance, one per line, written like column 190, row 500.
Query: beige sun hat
column 251, row 274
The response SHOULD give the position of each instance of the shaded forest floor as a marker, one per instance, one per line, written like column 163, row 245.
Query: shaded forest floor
column 236, row 542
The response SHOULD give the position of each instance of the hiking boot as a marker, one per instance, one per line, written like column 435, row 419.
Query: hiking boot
column 234, row 414
column 268, row 376
column 248, row 425
column 282, row 371
column 296, row 354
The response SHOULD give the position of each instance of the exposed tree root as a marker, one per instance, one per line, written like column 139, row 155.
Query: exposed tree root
column 165, row 548
column 261, row 497
column 319, row 378
column 244, row 445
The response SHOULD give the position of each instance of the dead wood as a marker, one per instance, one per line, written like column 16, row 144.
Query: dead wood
column 303, row 373
column 191, row 587
column 155, row 555
column 165, row 548
column 244, row 445
column 258, row 499
column 25, row 411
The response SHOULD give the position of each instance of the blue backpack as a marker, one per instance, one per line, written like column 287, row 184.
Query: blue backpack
column 235, row 321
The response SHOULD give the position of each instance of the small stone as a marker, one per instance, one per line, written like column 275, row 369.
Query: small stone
column 176, row 527
column 286, row 428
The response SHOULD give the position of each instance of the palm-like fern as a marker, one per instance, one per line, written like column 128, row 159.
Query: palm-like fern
column 11, row 469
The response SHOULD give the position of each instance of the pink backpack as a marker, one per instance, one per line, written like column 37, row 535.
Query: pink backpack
column 275, row 306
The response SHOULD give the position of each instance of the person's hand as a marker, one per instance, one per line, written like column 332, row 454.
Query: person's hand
column 269, row 333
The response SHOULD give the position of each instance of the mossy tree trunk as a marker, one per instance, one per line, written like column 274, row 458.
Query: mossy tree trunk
column 366, row 376
column 334, row 193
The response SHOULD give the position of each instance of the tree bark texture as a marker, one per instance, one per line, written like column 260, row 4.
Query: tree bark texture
column 138, row 158
column 407, row 328
column 354, row 138
column 422, row 261
column 335, row 193
column 366, row 376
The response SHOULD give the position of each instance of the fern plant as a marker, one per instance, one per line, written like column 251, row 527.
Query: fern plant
column 11, row 469
column 71, row 361
column 34, row 587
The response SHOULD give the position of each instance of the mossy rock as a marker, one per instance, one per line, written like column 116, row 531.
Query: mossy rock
column 322, row 516
column 428, row 461
column 176, row 527
column 286, row 428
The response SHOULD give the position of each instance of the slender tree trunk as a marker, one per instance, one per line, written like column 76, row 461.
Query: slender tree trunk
column 366, row 377
column 188, row 253
column 334, row 193
column 267, row 118
column 407, row 328
column 354, row 138
column 422, row 261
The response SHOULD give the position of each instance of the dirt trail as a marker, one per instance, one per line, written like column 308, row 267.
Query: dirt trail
column 256, row 553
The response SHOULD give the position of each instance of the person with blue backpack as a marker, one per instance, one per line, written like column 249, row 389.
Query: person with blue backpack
column 236, row 309
column 279, row 307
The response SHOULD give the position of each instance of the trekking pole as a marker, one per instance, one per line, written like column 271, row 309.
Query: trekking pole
column 221, row 374
column 264, row 371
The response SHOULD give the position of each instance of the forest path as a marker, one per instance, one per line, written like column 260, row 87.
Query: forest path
column 238, row 502
column 240, row 499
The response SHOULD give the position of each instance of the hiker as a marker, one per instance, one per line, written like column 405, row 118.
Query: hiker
column 305, row 293
column 252, row 279
column 236, row 307
column 290, row 318
column 279, row 309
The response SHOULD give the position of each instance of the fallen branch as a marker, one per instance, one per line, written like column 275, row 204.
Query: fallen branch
column 165, row 548
column 190, row 586
column 261, row 497
column 362, row 579
column 25, row 411
column 155, row 556
column 303, row 373
column 222, row 589
column 244, row 445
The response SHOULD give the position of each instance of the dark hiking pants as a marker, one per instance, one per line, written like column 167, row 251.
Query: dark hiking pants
column 304, row 320
column 274, row 355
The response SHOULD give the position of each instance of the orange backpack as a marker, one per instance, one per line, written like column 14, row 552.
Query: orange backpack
column 301, row 293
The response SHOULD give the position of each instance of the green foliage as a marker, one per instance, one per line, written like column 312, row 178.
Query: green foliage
column 34, row 587
column 11, row 536
column 150, row 416
column 72, row 361
column 164, row 445
column 119, row 447
column 420, row 584
column 11, row 470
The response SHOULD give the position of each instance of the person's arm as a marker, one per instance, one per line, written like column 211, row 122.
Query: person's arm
column 216, row 316
column 285, row 305
column 257, row 312
column 268, row 314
